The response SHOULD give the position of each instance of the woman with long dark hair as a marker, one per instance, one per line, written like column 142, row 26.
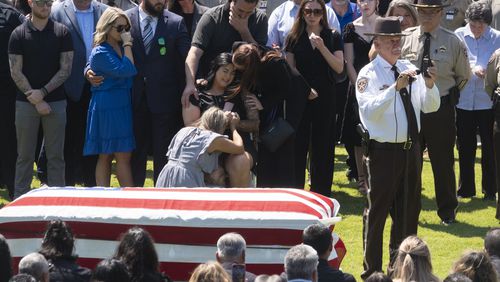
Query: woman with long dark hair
column 58, row 249
column 219, row 90
column 282, row 93
column 316, row 52
column 137, row 251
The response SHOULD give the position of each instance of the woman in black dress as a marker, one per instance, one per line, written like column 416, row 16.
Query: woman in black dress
column 316, row 52
column 282, row 93
column 356, row 49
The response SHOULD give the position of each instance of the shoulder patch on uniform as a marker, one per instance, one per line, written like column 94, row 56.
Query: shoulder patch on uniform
column 362, row 84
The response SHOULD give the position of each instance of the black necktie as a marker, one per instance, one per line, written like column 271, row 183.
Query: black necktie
column 427, row 47
column 410, row 112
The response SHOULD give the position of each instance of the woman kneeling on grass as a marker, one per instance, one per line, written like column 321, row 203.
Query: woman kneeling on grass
column 194, row 151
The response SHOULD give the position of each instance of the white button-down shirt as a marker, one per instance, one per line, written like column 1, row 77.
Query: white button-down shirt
column 380, row 106
column 85, row 19
column 282, row 18
column 473, row 96
column 143, row 21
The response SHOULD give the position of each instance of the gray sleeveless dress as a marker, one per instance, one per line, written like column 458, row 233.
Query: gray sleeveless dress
column 188, row 158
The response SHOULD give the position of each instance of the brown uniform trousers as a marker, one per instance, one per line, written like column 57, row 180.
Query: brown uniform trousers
column 386, row 167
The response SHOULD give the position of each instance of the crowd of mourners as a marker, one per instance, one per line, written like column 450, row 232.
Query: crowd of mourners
column 136, row 260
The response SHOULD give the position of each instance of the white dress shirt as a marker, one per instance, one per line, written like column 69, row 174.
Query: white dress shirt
column 142, row 20
column 381, row 109
column 282, row 18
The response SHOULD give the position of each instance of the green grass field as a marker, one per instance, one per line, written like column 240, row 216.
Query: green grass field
column 446, row 243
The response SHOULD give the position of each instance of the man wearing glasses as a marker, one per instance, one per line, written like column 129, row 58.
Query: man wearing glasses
column 430, row 44
column 40, row 43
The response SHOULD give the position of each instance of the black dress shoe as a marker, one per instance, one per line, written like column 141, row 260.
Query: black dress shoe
column 448, row 221
column 489, row 198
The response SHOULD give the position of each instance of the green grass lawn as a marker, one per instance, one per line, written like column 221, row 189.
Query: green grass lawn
column 446, row 243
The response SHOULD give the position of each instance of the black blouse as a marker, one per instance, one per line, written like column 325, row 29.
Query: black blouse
column 309, row 62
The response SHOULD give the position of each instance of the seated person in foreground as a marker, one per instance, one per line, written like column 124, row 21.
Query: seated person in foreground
column 195, row 151
column 320, row 238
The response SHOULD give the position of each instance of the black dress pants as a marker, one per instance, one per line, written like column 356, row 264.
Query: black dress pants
column 386, row 169
column 8, row 143
column 152, row 130
column 438, row 134
column 496, row 148
column 317, row 127
column 79, row 168
column 467, row 124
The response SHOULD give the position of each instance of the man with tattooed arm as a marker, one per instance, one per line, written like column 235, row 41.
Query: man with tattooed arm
column 40, row 57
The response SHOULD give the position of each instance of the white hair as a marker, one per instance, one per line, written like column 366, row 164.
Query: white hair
column 301, row 262
column 35, row 265
column 230, row 247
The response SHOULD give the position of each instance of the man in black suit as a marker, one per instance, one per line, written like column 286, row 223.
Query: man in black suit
column 160, row 38
column 80, row 17
column 320, row 238
column 10, row 18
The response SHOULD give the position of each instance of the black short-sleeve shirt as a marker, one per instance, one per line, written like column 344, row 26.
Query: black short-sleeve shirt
column 41, row 51
column 214, row 34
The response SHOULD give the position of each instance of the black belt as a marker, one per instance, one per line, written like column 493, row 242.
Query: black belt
column 390, row 146
column 445, row 99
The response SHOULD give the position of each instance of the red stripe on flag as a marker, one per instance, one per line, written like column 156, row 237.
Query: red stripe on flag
column 170, row 204
column 161, row 234
column 327, row 200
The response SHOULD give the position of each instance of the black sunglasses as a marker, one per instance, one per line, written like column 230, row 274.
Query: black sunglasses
column 316, row 12
column 121, row 28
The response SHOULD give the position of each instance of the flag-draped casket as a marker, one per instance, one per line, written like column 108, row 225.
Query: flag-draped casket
column 184, row 222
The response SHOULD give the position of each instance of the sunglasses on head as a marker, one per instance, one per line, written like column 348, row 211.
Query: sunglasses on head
column 42, row 3
column 121, row 28
column 315, row 12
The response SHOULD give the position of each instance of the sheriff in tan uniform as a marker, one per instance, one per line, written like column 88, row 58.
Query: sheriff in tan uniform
column 449, row 54
column 491, row 86
column 454, row 13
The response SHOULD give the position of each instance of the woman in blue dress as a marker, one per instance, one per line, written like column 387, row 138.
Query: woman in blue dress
column 109, row 123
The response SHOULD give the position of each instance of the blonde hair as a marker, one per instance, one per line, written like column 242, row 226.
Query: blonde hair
column 413, row 262
column 213, row 119
column 209, row 272
column 106, row 22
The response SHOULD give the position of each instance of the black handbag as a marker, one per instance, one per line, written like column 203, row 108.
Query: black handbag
column 278, row 131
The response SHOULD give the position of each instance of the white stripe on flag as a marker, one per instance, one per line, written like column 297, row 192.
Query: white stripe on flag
column 101, row 249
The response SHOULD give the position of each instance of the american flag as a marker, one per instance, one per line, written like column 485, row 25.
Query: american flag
column 184, row 222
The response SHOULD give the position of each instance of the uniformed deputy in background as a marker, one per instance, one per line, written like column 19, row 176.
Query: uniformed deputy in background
column 389, row 108
column 428, row 44
column 491, row 86
column 495, row 9
column 454, row 13
column 10, row 18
